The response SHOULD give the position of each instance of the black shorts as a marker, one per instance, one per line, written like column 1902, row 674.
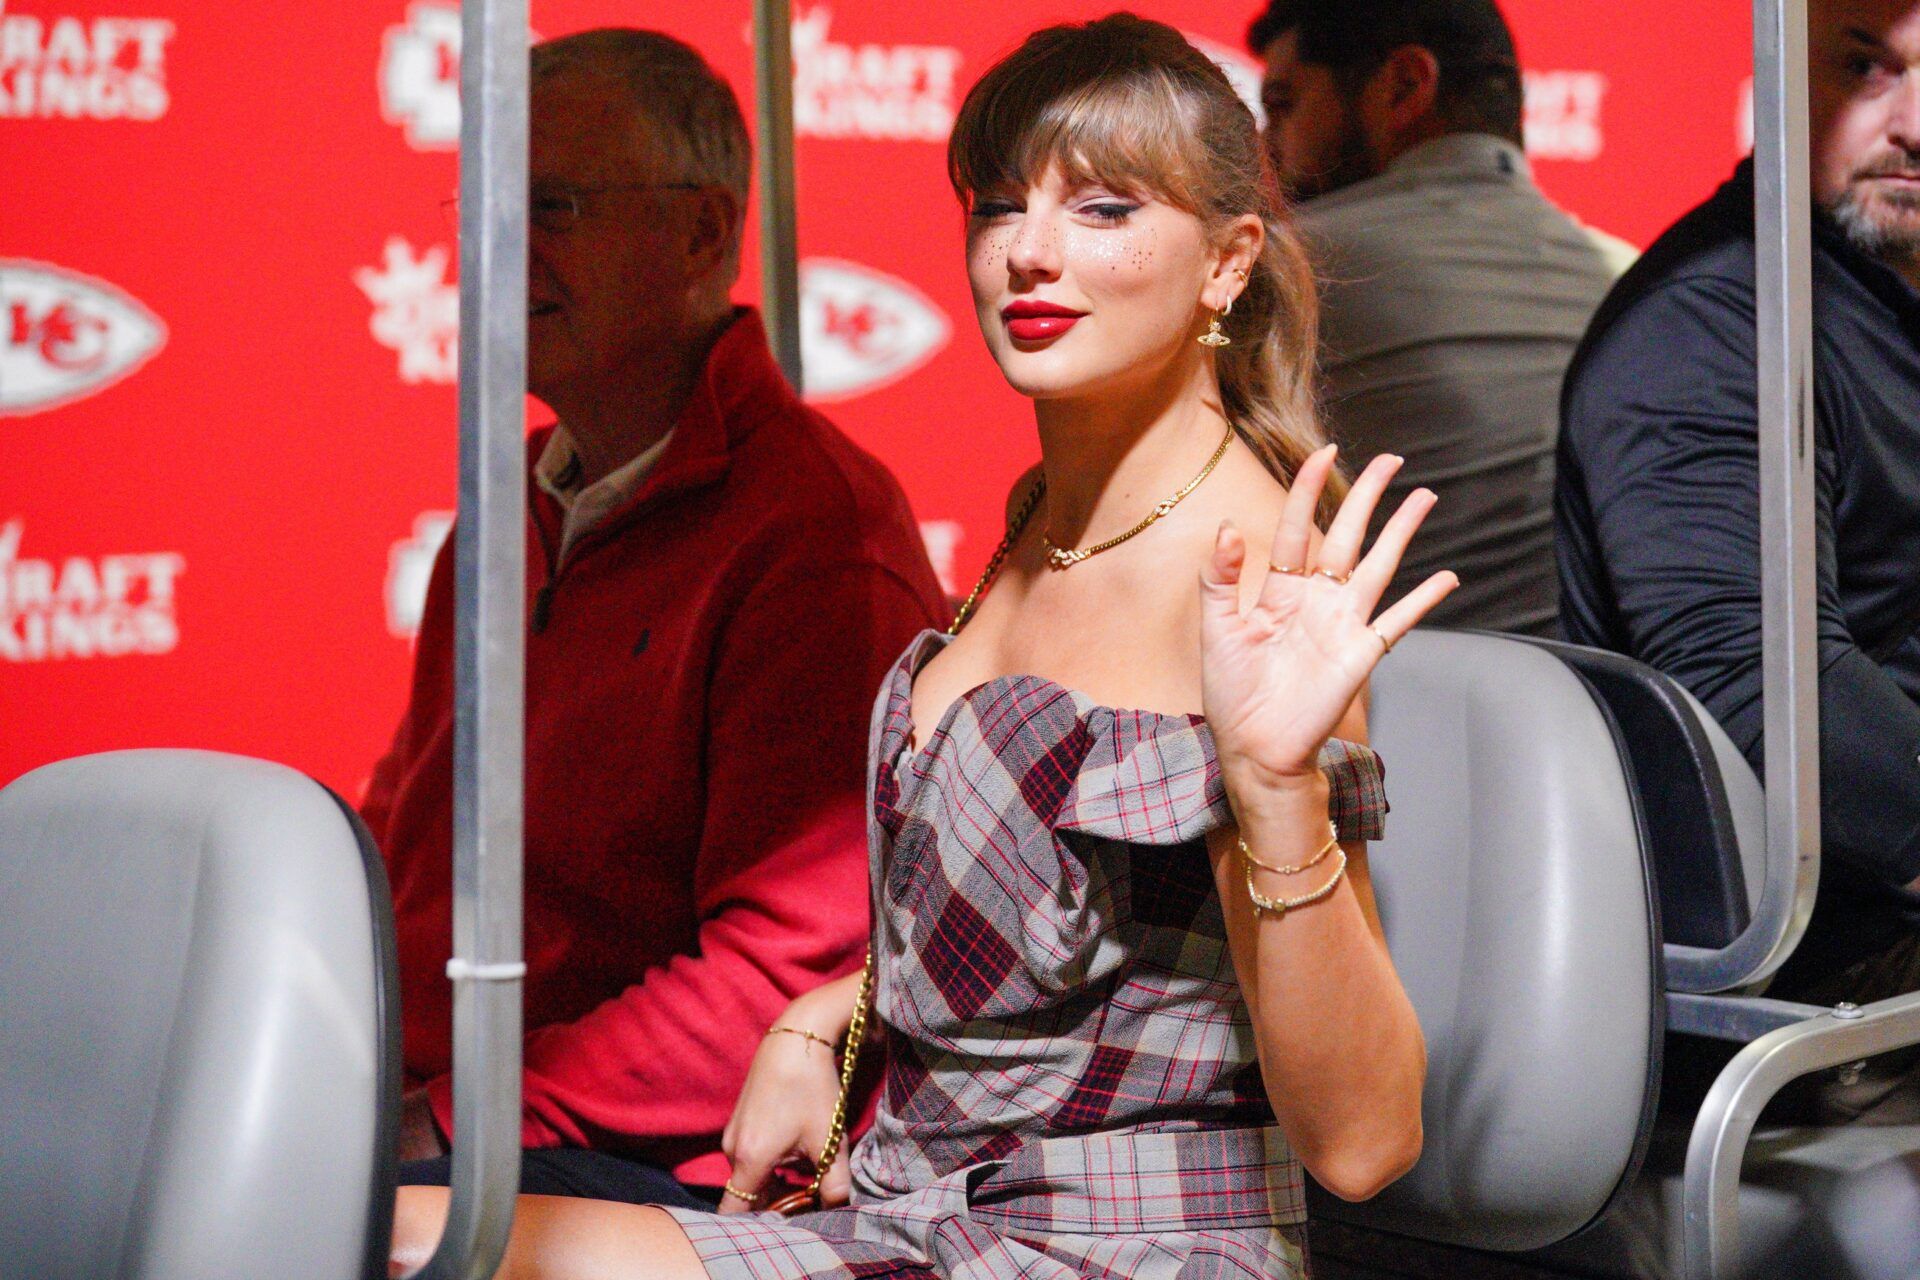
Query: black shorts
column 575, row 1171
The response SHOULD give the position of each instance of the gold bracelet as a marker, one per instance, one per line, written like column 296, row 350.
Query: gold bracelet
column 1280, row 906
column 799, row 1031
column 1333, row 838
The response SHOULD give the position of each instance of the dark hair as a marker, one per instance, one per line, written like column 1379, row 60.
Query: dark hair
column 1127, row 101
column 1480, row 86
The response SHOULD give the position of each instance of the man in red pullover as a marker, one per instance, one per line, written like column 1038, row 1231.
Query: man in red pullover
column 717, row 579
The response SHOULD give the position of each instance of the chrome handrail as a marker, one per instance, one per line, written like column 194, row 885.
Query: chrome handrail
column 489, row 641
column 1783, row 307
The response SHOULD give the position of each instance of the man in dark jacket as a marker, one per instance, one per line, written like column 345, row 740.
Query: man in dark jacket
column 1657, row 505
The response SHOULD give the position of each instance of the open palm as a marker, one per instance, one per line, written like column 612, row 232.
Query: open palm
column 1278, row 677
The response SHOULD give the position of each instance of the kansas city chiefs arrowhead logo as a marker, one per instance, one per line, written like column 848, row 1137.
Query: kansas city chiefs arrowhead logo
column 861, row 329
column 65, row 336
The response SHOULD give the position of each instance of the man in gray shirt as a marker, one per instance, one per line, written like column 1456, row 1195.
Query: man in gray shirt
column 1454, row 291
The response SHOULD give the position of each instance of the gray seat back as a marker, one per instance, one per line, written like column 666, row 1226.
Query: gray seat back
column 199, row 1061
column 1518, row 906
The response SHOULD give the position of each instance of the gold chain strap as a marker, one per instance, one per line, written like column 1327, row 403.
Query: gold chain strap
column 999, row 556
column 857, row 1028
column 837, row 1127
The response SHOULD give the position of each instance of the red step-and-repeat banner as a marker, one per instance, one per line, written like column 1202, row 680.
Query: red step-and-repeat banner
column 228, row 314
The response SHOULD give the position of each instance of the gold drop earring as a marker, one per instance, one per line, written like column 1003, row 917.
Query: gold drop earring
column 1213, row 337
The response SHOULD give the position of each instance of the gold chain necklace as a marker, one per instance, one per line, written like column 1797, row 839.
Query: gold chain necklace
column 1059, row 557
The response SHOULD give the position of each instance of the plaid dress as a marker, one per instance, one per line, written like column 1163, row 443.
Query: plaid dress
column 1071, row 1089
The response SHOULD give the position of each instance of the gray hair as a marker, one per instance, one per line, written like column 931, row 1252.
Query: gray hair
column 690, row 112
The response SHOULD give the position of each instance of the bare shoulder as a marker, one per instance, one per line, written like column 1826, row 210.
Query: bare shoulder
column 1251, row 497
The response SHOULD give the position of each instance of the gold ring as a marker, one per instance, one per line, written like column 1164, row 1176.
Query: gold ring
column 1331, row 576
column 748, row 1196
column 1382, row 636
column 1288, row 570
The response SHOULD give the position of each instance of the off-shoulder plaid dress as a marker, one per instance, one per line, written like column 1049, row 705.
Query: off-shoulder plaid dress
column 1071, row 1089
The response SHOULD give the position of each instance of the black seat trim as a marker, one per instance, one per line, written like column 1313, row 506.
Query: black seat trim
column 1696, row 848
column 386, row 996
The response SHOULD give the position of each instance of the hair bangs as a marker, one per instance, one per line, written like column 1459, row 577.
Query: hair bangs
column 1127, row 128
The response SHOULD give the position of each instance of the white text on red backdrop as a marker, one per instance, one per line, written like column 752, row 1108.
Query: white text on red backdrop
column 73, row 68
column 85, row 606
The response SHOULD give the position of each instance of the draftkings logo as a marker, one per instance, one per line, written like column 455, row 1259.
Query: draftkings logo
column 420, row 77
column 416, row 309
column 410, row 568
column 894, row 92
column 65, row 336
column 85, row 606
column 1563, row 114
column 861, row 329
column 83, row 68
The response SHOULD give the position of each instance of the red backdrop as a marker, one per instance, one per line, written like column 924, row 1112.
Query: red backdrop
column 227, row 421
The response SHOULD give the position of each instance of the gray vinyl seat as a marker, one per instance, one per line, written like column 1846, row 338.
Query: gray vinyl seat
column 1542, row 824
column 199, row 1046
column 1514, row 891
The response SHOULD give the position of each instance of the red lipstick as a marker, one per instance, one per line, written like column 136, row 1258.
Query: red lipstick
column 1030, row 320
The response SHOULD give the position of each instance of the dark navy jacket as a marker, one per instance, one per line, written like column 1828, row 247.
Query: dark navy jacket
column 1657, row 520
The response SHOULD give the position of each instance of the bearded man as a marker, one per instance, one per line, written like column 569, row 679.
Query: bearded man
column 1657, row 503
column 1455, row 291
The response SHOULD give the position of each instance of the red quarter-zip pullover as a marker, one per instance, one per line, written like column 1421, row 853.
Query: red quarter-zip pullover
column 700, row 674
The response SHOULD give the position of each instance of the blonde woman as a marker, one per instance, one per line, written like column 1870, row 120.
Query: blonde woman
column 1127, row 974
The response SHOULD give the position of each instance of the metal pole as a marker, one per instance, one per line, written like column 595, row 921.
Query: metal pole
column 489, row 643
column 1783, row 308
column 779, row 255
column 1784, row 311
column 1718, row 1145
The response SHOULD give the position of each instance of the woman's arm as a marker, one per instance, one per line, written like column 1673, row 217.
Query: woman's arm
column 1340, row 1051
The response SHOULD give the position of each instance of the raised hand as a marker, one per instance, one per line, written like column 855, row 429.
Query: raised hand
column 1277, row 678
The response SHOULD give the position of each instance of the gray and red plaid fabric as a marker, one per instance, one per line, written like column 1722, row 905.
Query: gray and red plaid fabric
column 1071, row 1087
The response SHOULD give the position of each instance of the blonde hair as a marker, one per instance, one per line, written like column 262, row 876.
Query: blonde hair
column 1128, row 103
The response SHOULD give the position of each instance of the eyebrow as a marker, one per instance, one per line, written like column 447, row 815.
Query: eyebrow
column 1861, row 36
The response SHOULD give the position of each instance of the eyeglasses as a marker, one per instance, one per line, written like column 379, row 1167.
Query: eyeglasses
column 560, row 209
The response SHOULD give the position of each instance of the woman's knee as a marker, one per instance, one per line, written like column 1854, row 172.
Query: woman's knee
column 419, row 1216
